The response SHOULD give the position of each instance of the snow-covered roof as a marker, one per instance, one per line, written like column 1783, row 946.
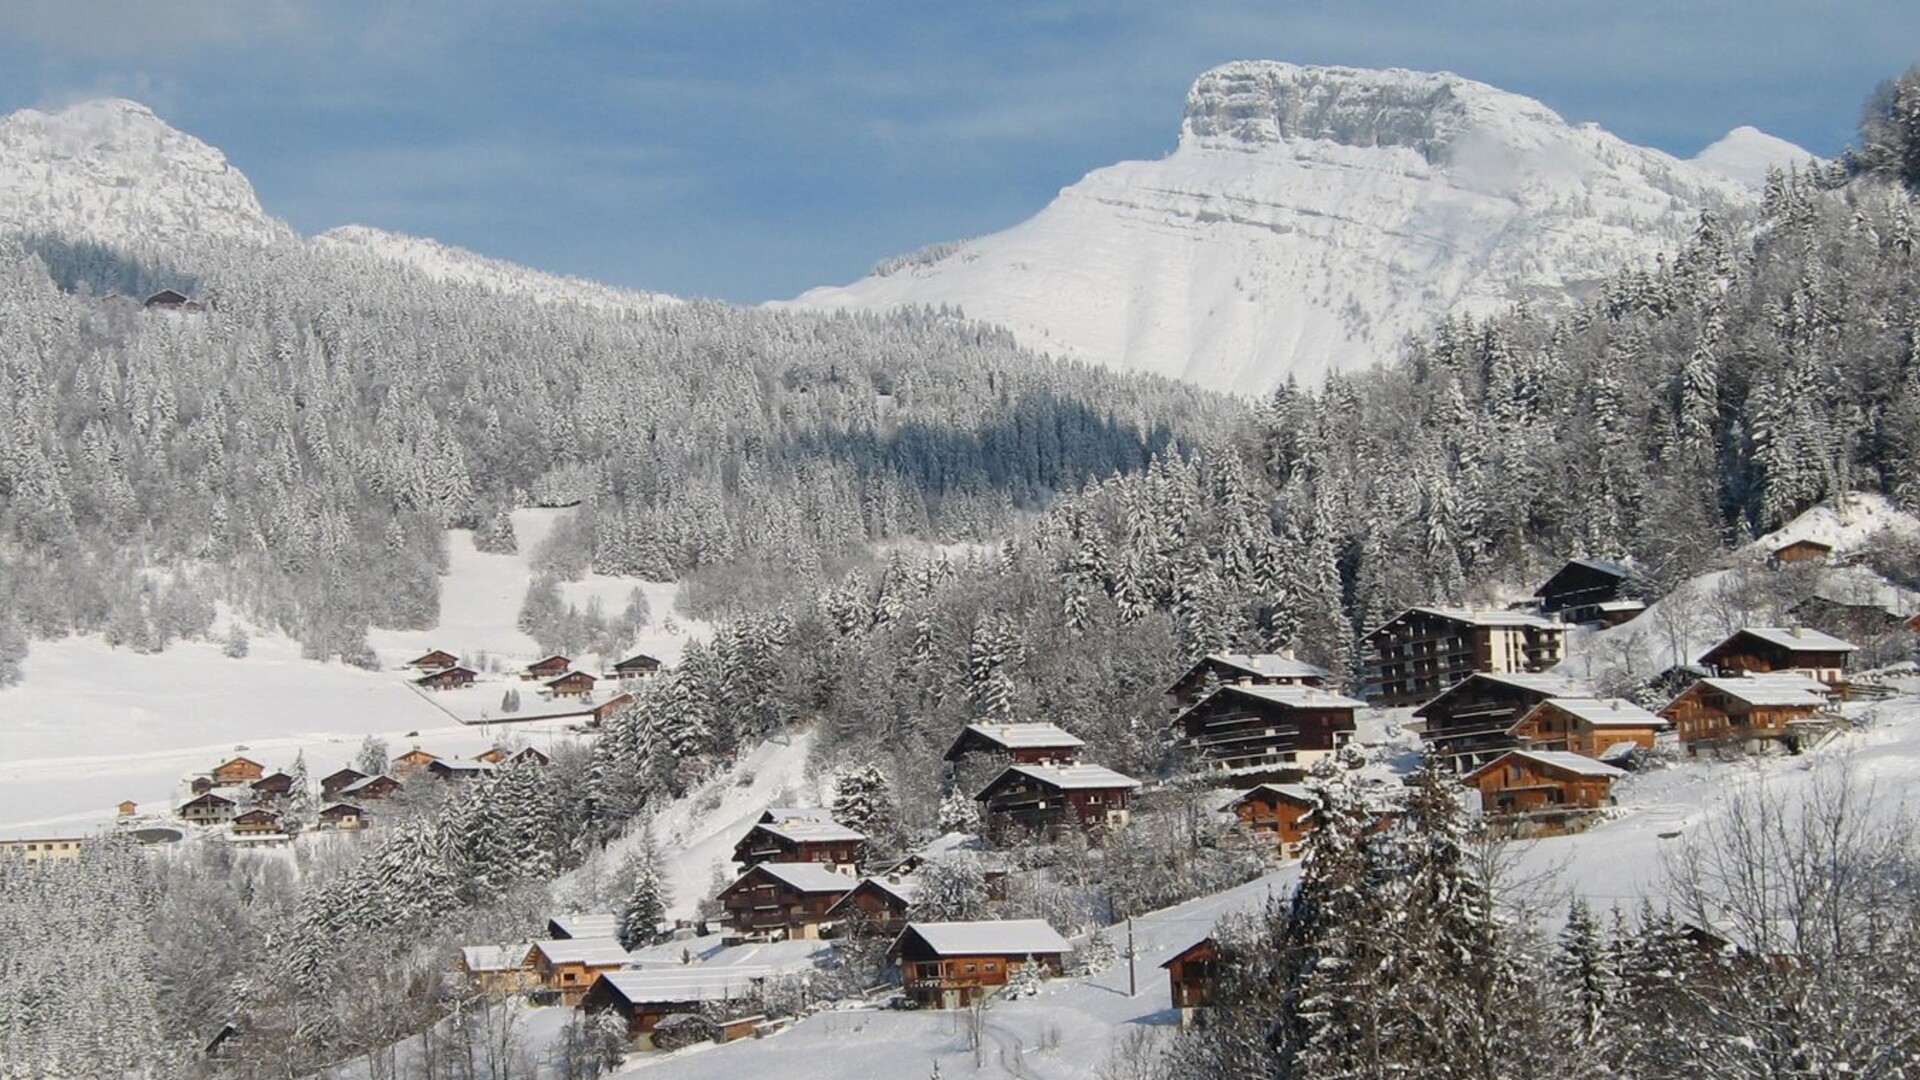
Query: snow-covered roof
column 691, row 982
column 1622, row 605
column 589, row 925
column 1071, row 777
column 805, row 877
column 1578, row 764
column 494, row 957
column 1792, row 638
column 1297, row 697
column 365, row 782
column 1493, row 618
column 1768, row 691
column 775, row 815
column 812, row 832
column 1608, row 712
column 1604, row 566
column 593, row 951
column 1553, row 686
column 1295, row 792
column 1030, row 736
column 1271, row 665
column 994, row 937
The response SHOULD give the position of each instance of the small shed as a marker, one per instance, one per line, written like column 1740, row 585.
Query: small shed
column 1190, row 975
column 1801, row 551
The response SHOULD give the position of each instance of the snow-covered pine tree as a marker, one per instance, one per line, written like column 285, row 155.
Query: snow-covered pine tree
column 645, row 906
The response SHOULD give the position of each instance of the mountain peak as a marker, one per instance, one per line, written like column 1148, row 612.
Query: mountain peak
column 1745, row 155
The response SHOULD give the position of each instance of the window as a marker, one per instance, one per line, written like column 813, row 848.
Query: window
column 971, row 968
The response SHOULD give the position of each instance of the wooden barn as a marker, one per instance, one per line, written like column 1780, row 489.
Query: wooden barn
column 345, row 817
column 437, row 660
column 1576, row 590
column 1264, row 732
column 637, row 666
column 775, row 900
column 574, row 684
column 1759, row 649
column 568, row 967
column 1470, row 723
column 947, row 965
column 825, row 843
column 1589, row 726
column 1244, row 669
column 237, row 771
column 1533, row 781
column 499, row 969
column 1054, row 796
column 881, row 904
column 547, row 669
column 453, row 678
column 208, row 808
column 334, row 783
column 1425, row 650
column 1023, row 744
column 1801, row 551
column 644, row 997
column 1281, row 812
column 1190, row 975
column 1749, row 711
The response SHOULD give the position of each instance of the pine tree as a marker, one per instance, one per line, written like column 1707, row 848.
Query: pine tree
column 298, row 813
column 645, row 906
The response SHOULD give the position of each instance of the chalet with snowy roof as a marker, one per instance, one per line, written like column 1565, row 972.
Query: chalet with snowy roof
column 273, row 787
column 236, row 771
column 437, row 660
column 645, row 997
column 1024, row 744
column 1471, row 722
column 345, row 817
column 547, row 669
column 1190, row 976
column 1054, row 796
column 1279, row 814
column 568, row 967
column 574, row 684
column 370, row 789
column 1749, row 711
column 1577, row 590
column 1754, row 649
column 1536, row 781
column 334, row 783
column 775, row 900
column 170, row 300
column 1803, row 550
column 880, row 904
column 453, row 770
column 789, row 815
column 637, row 666
column 501, row 755
column 1425, row 650
column 1264, row 732
column 208, row 808
column 1590, row 726
column 603, row 711
column 257, row 821
column 948, row 965
column 827, row 843
column 596, row 924
column 413, row 762
column 1244, row 669
column 499, row 969
column 453, row 678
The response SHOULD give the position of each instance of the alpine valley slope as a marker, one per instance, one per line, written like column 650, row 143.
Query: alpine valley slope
column 1312, row 217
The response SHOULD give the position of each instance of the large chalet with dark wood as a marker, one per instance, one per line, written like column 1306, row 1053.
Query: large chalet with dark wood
column 1023, row 744
column 949, row 965
column 169, row 300
column 370, row 788
column 256, row 821
column 437, row 660
column 208, row 808
column 237, row 771
column 1279, row 814
column 1056, row 796
column 1472, row 722
column 334, row 783
column 879, row 904
column 647, row 996
column 1423, row 651
column 1244, row 669
column 500, row 969
column 1577, row 591
column 574, row 684
column 774, row 900
column 637, row 666
column 568, row 967
column 273, row 787
column 453, row 678
column 1754, row 649
column 1743, row 713
column 1594, row 727
column 1542, row 781
column 1264, row 732
column 1190, row 975
column 605, row 710
column 547, row 669
column 344, row 817
column 824, row 843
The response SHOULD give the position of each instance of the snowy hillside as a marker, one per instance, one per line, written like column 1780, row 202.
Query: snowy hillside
column 1312, row 217
column 446, row 263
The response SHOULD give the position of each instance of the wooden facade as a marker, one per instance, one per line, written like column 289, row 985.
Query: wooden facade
column 950, row 965
column 500, row 969
column 437, row 660
column 333, row 783
column 413, row 762
column 1244, row 669
column 1022, row 744
column 1283, row 813
column 607, row 708
column 1532, row 781
column 345, row 817
column 371, row 789
column 501, row 755
column 878, row 904
column 1801, row 551
column 645, row 998
column 1577, row 591
column 1471, row 723
column 1588, row 726
column 453, row 678
column 273, row 787
column 237, row 771
column 443, row 769
column 1270, row 732
column 568, row 968
column 257, row 821
column 551, row 667
column 826, row 844
column 637, row 666
column 783, row 900
column 1046, row 797
column 574, row 684
column 1743, row 712
column 1761, row 649
column 1190, row 975
column 1423, row 651
column 208, row 808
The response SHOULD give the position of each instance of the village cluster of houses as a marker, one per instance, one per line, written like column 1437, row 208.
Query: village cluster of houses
column 559, row 679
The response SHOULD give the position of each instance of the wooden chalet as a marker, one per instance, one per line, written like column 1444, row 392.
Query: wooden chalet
column 605, row 710
column 453, row 678
column 574, row 684
column 444, row 769
column 334, row 783
column 1800, row 551
column 273, row 787
column 1577, row 590
column 1190, row 975
column 1845, row 617
column 1264, row 732
column 370, row 789
column 344, row 817
column 499, row 969
column 501, row 755
column 170, row 300
column 237, row 771
column 1755, row 649
column 257, row 821
column 1425, row 650
column 1281, row 812
column 882, row 904
column 546, row 670
column 1594, row 727
column 208, row 808
column 567, row 968
column 1053, row 796
column 1244, row 669
column 594, row 924
column 637, row 666
column 645, row 997
column 413, row 762
column 1023, row 744
column 437, row 660
column 128, row 808
column 1535, row 781
column 1749, row 711
column 1471, row 723
column 827, row 843
column 948, row 965
column 774, row 900
column 200, row 785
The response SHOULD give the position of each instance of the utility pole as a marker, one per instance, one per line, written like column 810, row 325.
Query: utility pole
column 1133, row 985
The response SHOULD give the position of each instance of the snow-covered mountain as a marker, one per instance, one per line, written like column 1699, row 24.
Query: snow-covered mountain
column 1311, row 217
column 443, row 262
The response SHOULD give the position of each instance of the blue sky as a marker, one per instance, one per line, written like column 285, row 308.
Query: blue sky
column 748, row 150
